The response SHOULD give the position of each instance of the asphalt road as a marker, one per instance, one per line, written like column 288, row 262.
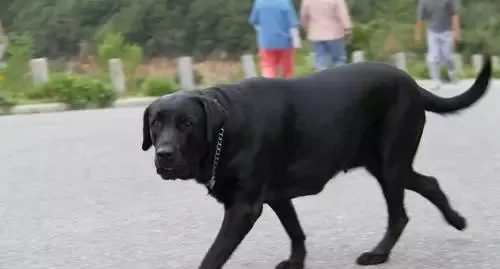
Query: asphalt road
column 76, row 191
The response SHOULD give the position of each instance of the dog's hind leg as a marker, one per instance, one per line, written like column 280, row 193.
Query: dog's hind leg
column 429, row 188
column 391, row 164
column 287, row 215
column 394, row 195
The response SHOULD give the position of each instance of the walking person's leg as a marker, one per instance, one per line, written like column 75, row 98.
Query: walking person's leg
column 433, row 59
column 337, row 50
column 279, row 62
column 447, row 48
column 268, row 63
column 322, row 55
column 288, row 63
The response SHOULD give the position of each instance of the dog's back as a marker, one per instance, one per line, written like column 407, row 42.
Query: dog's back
column 335, row 117
column 327, row 116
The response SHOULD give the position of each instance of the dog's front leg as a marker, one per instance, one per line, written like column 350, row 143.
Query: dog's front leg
column 238, row 220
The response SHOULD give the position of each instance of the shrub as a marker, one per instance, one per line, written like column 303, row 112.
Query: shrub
column 113, row 45
column 303, row 63
column 158, row 86
column 6, row 102
column 15, row 75
column 418, row 70
column 37, row 92
column 496, row 73
column 303, row 70
column 79, row 91
column 468, row 72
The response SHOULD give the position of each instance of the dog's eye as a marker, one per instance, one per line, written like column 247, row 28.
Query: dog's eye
column 187, row 123
column 155, row 124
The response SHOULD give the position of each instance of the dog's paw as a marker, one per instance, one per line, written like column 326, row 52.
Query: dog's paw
column 369, row 258
column 457, row 221
column 288, row 264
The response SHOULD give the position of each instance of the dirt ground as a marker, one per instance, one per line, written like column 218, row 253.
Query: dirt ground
column 210, row 70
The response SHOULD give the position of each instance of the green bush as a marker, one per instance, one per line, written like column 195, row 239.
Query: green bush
column 79, row 91
column 303, row 63
column 303, row 70
column 158, row 86
column 15, row 77
column 6, row 102
column 418, row 70
column 496, row 73
column 468, row 72
column 112, row 44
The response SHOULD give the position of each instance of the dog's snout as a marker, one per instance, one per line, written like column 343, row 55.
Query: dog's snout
column 165, row 153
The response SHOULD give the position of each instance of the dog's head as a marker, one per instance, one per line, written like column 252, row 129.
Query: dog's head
column 181, row 127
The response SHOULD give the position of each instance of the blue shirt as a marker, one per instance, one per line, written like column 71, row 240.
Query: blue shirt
column 274, row 19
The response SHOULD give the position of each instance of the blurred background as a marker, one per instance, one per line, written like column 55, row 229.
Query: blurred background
column 80, row 37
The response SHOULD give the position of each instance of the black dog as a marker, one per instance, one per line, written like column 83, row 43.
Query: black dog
column 267, row 141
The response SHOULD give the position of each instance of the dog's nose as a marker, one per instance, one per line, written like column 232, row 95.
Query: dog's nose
column 165, row 152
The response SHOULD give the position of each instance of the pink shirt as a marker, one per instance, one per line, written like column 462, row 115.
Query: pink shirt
column 325, row 19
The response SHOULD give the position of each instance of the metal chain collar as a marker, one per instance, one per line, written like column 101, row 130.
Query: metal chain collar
column 211, row 183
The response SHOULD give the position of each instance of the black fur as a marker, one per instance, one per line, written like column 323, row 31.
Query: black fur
column 287, row 138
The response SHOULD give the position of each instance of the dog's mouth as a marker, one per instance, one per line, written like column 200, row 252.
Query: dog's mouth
column 167, row 173
column 171, row 173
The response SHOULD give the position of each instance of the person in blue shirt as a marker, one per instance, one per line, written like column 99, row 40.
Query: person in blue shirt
column 276, row 23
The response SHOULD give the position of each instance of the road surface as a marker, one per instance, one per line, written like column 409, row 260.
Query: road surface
column 76, row 191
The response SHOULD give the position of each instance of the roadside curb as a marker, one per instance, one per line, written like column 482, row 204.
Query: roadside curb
column 134, row 102
column 60, row 107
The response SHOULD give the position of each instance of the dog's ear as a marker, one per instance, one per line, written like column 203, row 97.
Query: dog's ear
column 146, row 133
column 216, row 115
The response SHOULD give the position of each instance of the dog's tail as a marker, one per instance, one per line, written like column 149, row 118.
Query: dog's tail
column 444, row 105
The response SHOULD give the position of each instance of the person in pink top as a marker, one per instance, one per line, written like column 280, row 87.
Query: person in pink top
column 327, row 24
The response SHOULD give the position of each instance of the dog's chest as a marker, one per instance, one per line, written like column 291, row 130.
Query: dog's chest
column 224, row 191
